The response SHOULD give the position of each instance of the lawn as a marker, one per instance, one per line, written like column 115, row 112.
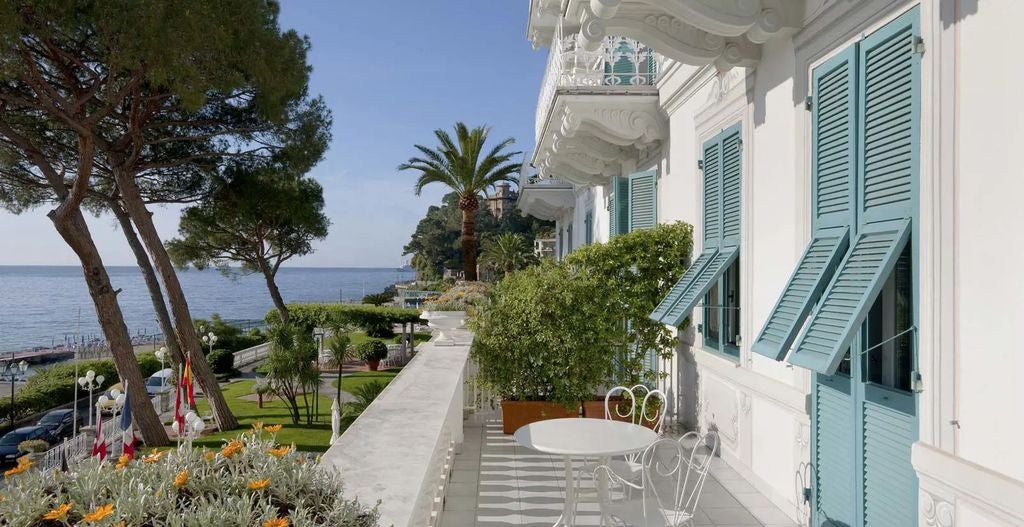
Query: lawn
column 313, row 437
column 350, row 382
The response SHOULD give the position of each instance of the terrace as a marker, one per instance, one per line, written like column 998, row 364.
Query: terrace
column 432, row 449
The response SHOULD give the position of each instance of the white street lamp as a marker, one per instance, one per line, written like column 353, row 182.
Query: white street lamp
column 161, row 355
column 210, row 339
column 90, row 382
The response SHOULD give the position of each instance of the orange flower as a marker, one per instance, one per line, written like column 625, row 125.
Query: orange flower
column 155, row 456
column 22, row 467
column 232, row 448
column 257, row 426
column 210, row 456
column 24, row 460
column 276, row 522
column 59, row 513
column 279, row 452
column 259, row 484
column 122, row 461
column 273, row 429
column 181, row 479
column 101, row 512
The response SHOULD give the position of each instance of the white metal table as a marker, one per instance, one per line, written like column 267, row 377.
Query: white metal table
column 583, row 438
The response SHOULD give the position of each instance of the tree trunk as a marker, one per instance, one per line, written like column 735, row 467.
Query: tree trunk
column 149, row 275
column 469, row 243
column 70, row 224
column 275, row 293
column 187, row 338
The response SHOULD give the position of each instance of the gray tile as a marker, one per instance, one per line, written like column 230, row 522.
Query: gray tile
column 770, row 514
column 732, row 516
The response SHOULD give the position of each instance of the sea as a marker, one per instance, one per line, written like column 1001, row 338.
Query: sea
column 47, row 306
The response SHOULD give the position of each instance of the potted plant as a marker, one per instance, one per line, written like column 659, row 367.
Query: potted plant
column 449, row 310
column 372, row 352
column 35, row 448
column 544, row 342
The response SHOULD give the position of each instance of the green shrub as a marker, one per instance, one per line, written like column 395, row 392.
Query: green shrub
column 548, row 334
column 221, row 361
column 341, row 315
column 372, row 350
column 148, row 363
column 33, row 445
column 229, row 337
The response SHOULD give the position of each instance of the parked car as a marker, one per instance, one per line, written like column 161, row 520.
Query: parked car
column 9, row 452
column 59, row 423
column 159, row 382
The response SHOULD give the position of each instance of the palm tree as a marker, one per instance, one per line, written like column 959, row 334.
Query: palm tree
column 340, row 351
column 506, row 252
column 459, row 165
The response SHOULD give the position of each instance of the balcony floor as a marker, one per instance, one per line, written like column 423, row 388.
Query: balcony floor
column 497, row 483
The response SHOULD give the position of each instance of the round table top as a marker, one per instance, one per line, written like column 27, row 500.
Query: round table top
column 585, row 437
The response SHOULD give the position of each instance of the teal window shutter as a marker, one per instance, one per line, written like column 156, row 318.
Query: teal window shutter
column 683, row 284
column 731, row 149
column 588, row 224
column 700, row 284
column 568, row 239
column 611, row 211
column 804, row 288
column 712, row 192
column 621, row 208
column 849, row 296
column 561, row 242
column 643, row 200
column 834, row 156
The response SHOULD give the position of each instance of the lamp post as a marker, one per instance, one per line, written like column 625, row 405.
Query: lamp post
column 12, row 369
column 210, row 339
column 90, row 382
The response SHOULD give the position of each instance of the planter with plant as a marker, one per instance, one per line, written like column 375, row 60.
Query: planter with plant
column 35, row 448
column 448, row 311
column 545, row 342
column 372, row 352
column 636, row 283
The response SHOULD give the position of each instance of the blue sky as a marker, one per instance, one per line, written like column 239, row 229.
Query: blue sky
column 391, row 71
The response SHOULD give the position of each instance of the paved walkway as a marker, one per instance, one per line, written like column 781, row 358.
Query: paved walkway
column 497, row 483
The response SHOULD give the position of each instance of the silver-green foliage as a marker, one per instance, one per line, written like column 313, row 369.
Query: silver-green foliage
column 216, row 491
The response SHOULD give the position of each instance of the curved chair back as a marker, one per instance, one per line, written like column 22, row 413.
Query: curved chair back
column 674, row 473
column 652, row 411
column 626, row 409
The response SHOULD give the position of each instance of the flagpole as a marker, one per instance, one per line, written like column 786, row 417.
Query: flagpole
column 74, row 413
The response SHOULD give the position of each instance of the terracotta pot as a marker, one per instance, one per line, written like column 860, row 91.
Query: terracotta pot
column 516, row 414
column 373, row 364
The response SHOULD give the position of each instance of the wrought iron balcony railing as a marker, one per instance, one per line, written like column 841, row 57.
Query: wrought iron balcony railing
column 619, row 62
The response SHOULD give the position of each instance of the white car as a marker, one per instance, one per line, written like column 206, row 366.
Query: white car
column 160, row 382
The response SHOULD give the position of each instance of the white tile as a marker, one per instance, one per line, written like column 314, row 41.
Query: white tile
column 736, row 486
column 731, row 516
column 752, row 500
column 770, row 515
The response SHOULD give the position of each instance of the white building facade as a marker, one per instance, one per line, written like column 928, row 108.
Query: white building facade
column 849, row 170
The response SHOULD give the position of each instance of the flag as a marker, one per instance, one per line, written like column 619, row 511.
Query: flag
column 186, row 378
column 179, row 415
column 127, row 432
column 99, row 446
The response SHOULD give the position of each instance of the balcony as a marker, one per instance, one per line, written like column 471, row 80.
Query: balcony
column 431, row 448
column 597, row 111
column 546, row 199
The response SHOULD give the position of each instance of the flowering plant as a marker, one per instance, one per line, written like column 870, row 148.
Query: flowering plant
column 463, row 296
column 250, row 482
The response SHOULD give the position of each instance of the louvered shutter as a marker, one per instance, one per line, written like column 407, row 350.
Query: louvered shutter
column 849, row 296
column 834, row 167
column 643, row 200
column 731, row 147
column 699, row 286
column 618, row 212
column 890, row 117
column 712, row 168
column 683, row 284
column 561, row 242
column 568, row 239
column 889, row 122
column 588, row 224
column 834, row 460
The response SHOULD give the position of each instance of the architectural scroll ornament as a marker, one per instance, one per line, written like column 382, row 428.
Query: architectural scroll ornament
column 936, row 512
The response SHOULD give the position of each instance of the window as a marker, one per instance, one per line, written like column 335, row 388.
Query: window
column 588, row 225
column 714, row 276
column 889, row 354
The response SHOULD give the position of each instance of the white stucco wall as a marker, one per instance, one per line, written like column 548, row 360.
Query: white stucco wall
column 989, row 240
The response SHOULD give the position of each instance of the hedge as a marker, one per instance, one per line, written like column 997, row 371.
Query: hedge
column 328, row 315
column 221, row 361
column 53, row 386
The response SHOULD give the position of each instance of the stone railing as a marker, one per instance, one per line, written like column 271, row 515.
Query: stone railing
column 400, row 449
column 618, row 62
column 252, row 355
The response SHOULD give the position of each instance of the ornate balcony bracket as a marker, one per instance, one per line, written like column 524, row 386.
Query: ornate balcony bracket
column 590, row 138
column 724, row 33
column 547, row 199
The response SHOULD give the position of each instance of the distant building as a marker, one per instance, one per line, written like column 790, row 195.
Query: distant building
column 503, row 200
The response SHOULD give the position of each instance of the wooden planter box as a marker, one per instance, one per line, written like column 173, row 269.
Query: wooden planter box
column 516, row 414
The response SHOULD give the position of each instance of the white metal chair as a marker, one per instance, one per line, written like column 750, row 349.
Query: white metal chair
column 672, row 478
